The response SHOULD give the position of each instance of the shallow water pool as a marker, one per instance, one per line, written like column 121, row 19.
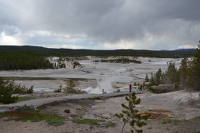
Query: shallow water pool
column 39, row 89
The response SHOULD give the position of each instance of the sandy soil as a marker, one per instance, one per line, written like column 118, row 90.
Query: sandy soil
column 181, row 105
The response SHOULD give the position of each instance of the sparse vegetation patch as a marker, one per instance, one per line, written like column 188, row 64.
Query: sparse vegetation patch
column 86, row 121
column 165, row 121
column 33, row 116
column 94, row 122
column 71, row 88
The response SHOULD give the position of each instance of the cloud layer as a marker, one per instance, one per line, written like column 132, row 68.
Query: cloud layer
column 105, row 24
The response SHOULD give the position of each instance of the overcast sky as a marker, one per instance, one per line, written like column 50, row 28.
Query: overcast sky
column 101, row 24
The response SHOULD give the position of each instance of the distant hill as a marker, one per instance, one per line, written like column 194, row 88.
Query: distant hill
column 192, row 50
column 86, row 52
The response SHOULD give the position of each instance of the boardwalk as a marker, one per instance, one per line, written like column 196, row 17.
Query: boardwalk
column 45, row 101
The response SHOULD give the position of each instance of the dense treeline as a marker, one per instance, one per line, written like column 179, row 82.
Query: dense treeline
column 32, row 57
column 122, row 60
column 23, row 60
column 187, row 76
column 84, row 52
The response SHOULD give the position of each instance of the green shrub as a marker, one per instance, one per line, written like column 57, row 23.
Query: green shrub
column 18, row 89
column 71, row 88
column 6, row 91
column 76, row 64
column 8, row 88
column 160, row 89
column 30, row 90
column 59, row 89
column 118, row 90
column 7, row 98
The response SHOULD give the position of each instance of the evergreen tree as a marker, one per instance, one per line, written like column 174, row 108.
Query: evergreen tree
column 6, row 91
column 146, row 78
column 158, row 77
column 171, row 76
column 194, row 71
column 152, row 79
column 183, row 71
column 131, row 115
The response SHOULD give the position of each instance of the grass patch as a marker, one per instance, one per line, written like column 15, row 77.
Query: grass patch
column 86, row 121
column 55, row 122
column 110, row 124
column 197, row 118
column 95, row 98
column 24, row 99
column 165, row 121
column 94, row 122
column 33, row 116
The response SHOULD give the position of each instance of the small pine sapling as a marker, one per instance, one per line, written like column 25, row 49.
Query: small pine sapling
column 131, row 115
column 146, row 78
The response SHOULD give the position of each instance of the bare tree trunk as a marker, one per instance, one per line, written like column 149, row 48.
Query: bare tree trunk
column 123, row 126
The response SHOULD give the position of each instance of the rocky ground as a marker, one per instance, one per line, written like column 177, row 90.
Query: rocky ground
column 171, row 113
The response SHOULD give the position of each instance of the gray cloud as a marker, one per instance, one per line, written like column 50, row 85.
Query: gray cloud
column 9, row 31
column 153, row 23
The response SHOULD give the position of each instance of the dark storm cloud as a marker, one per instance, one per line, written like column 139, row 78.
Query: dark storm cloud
column 109, row 20
column 168, row 21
